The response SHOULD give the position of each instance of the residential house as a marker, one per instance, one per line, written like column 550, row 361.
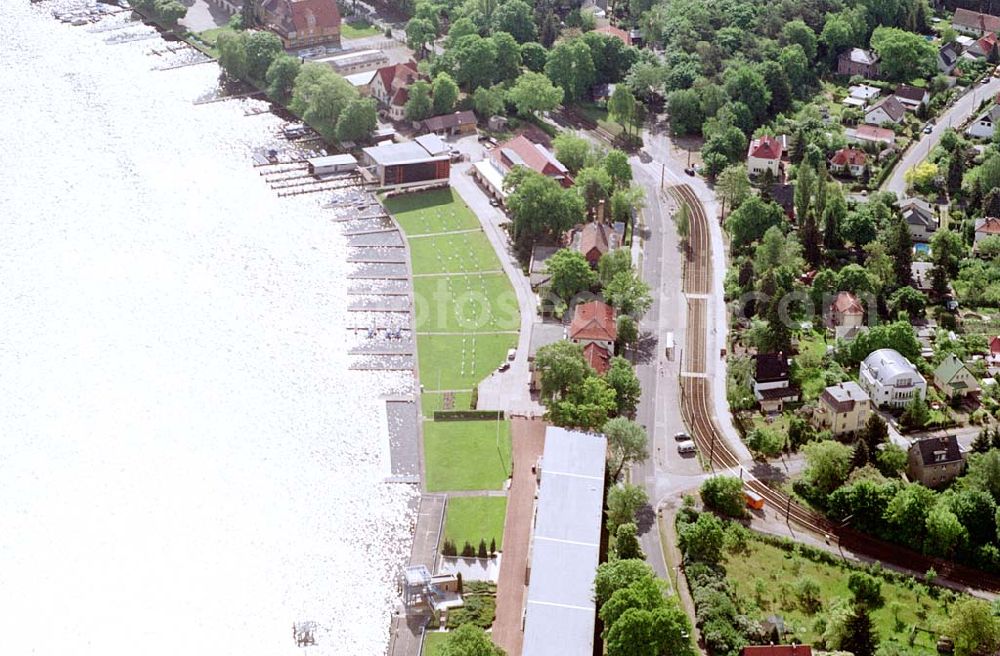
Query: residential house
column 858, row 61
column 407, row 164
column 362, row 82
column 616, row 32
column 849, row 161
column 920, row 218
column 890, row 379
column 948, row 56
column 988, row 227
column 935, row 461
column 301, row 23
column 594, row 239
column 389, row 87
column 598, row 357
column 783, row 193
column 843, row 408
column 771, row 382
column 985, row 124
column 777, row 650
column 864, row 92
column 954, row 379
column 888, row 110
column 519, row 151
column 984, row 48
column 975, row 23
column 764, row 154
column 455, row 123
column 871, row 134
column 993, row 359
column 911, row 97
column 594, row 323
column 845, row 313
column 921, row 274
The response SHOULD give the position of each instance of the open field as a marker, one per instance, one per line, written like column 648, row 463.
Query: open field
column 358, row 30
column 466, row 455
column 465, row 304
column 471, row 519
column 453, row 253
column 434, row 641
column 440, row 210
column 457, row 362
column 211, row 38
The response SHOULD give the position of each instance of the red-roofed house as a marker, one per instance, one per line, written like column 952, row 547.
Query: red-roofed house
column 521, row 151
column 995, row 347
column 616, row 32
column 302, row 23
column 598, row 357
column 871, row 134
column 849, row 160
column 846, row 311
column 985, row 47
column 595, row 239
column 764, row 154
column 988, row 227
column 390, row 84
column 777, row 650
column 594, row 323
column 975, row 23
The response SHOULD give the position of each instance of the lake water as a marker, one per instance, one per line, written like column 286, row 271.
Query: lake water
column 187, row 466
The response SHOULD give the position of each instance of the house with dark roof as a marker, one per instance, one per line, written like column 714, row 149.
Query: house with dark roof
column 858, row 61
column 935, row 461
column 948, row 56
column 771, row 381
column 954, row 379
column 985, row 125
column 849, row 161
column 920, row 219
column 390, row 87
column 889, row 110
column 843, row 408
column 975, row 23
column 301, row 23
column 594, row 239
column 911, row 97
column 594, row 322
column 463, row 122
column 764, row 154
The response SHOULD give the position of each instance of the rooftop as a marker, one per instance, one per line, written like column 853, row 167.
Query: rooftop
column 594, row 320
column 597, row 357
column 892, row 107
column 976, row 21
column 844, row 392
column 849, row 157
column 771, row 367
column 861, row 56
column 885, row 364
column 777, row 650
column 847, row 303
column 938, row 450
column 449, row 121
column 407, row 152
column 765, row 147
column 911, row 93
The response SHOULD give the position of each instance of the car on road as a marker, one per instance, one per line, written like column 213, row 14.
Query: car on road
column 686, row 447
column 681, row 436
column 511, row 354
column 689, row 171
column 928, row 129
column 504, row 367
column 494, row 202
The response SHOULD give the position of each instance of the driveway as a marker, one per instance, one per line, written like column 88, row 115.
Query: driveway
column 957, row 114
column 203, row 15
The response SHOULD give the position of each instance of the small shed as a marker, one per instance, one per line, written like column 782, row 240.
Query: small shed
column 331, row 164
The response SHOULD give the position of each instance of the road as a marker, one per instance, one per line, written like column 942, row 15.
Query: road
column 957, row 114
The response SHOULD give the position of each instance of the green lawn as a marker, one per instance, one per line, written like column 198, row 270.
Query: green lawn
column 778, row 572
column 440, row 210
column 811, row 374
column 465, row 303
column 457, row 362
column 464, row 455
column 453, row 253
column 358, row 30
column 432, row 401
column 211, row 38
column 433, row 642
column 471, row 519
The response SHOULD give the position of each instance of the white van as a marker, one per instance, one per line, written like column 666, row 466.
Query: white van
column 685, row 447
column 511, row 353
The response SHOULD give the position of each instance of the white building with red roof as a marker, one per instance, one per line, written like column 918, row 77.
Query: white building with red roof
column 764, row 154
column 594, row 323
column 519, row 151
column 302, row 23
column 988, row 227
column 846, row 311
column 849, row 161
column 975, row 23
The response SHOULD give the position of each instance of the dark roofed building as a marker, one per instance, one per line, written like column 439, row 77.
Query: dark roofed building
column 948, row 57
column 935, row 461
column 784, row 194
column 454, row 123
column 302, row 23
column 777, row 650
column 771, row 382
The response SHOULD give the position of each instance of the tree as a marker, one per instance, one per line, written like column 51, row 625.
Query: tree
column 746, row 85
column 561, row 366
column 891, row 460
column 866, row 589
column 860, row 457
column 797, row 31
column 476, row 62
column 319, row 95
column 908, row 300
column 628, row 331
column 624, row 501
column 469, row 640
column 984, row 473
column 754, row 216
column 833, row 216
column 573, row 151
column 461, row 27
column 618, row 169
column 612, row 263
column 766, row 441
column 622, row 107
column 538, row 205
column 724, row 494
column 571, row 273
column 419, row 105
column 233, row 55
column 516, row 18
column 533, row 56
column 827, row 464
column 508, row 61
column 903, row 55
column 358, row 120
column 262, row 49
column 586, row 406
column 489, row 101
column 944, row 532
column 569, row 65
column 733, row 186
column 628, row 293
column 533, row 93
column 445, row 92
column 702, row 540
column 627, row 441
column 947, row 250
column 907, row 512
column 974, row 627
column 916, row 415
column 627, row 542
column 982, row 442
column 798, row 71
column 280, row 77
column 812, row 241
column 900, row 249
column 618, row 574
column 594, row 185
column 641, row 632
column 686, row 115
column 859, row 633
column 622, row 379
column 922, row 176
column 875, row 433
column 419, row 32
column 170, row 11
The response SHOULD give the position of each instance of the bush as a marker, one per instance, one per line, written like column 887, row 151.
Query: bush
column 724, row 495
column 468, row 551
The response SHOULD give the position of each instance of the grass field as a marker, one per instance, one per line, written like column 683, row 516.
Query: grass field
column 440, row 210
column 433, row 642
column 464, row 455
column 211, row 38
column 358, row 30
column 432, row 401
column 475, row 518
column 767, row 576
column 453, row 253
column 457, row 362
column 465, row 304
column 812, row 378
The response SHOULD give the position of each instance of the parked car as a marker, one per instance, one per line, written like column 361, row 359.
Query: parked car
column 686, row 447
column 681, row 436
column 689, row 171
column 928, row 129
column 504, row 367
column 511, row 353
column 494, row 202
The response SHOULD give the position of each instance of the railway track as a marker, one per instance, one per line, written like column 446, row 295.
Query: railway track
column 698, row 415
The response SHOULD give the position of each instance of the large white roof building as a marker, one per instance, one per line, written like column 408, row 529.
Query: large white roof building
column 890, row 379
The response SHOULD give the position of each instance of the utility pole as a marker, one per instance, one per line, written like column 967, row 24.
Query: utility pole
column 663, row 173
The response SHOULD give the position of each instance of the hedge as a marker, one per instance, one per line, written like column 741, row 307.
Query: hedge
column 468, row 415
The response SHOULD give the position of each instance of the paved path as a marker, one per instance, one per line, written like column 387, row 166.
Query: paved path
column 506, row 390
column 957, row 114
column 528, row 440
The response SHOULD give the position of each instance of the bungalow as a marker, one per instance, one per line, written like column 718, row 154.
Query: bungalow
column 764, row 154
column 616, row 32
column 454, row 123
column 771, row 382
column 594, row 323
column 975, row 23
column 843, row 408
column 948, row 57
column 850, row 161
column 871, row 134
column 864, row 92
column 920, row 218
column 890, row 379
column 595, row 239
column 911, row 97
column 954, row 379
column 390, row 84
column 984, row 126
column 988, row 227
column 889, row 110
column 858, row 61
column 984, row 48
column 935, row 461
column 301, row 23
